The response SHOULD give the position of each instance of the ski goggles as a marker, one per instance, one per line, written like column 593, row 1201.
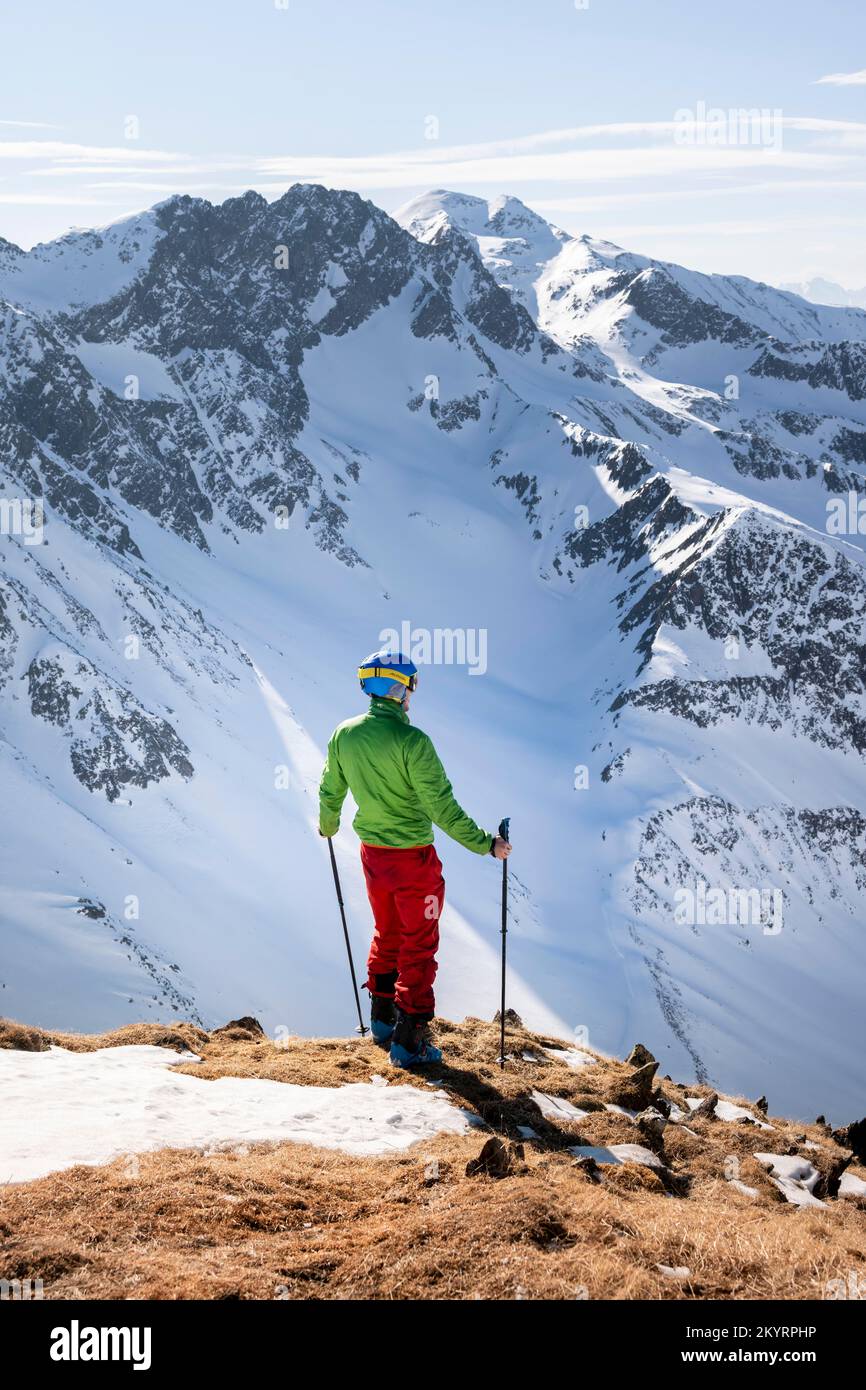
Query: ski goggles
column 366, row 672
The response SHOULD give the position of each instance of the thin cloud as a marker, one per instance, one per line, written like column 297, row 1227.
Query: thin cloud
column 540, row 139
column 90, row 154
column 31, row 125
column 53, row 200
column 85, row 159
column 143, row 186
column 733, row 227
column 844, row 140
column 439, row 166
column 598, row 202
column 601, row 166
column 179, row 171
column 660, row 131
column 843, row 79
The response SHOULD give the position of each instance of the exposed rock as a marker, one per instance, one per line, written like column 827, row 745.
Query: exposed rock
column 499, row 1158
column 639, row 1056
column 588, row 1167
column 512, row 1019
column 707, row 1108
column 114, row 742
column 240, row 1028
column 86, row 908
column 838, row 366
column 853, row 1137
column 651, row 1122
column 636, row 1091
column 830, row 1167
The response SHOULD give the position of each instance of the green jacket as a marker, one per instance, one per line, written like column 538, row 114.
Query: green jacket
column 397, row 780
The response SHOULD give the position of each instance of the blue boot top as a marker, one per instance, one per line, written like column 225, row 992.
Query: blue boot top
column 382, row 1032
column 425, row 1055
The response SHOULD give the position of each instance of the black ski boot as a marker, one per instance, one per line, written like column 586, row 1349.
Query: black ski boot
column 383, row 1014
column 408, row 1045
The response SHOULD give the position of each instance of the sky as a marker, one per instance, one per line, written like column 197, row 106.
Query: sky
column 618, row 118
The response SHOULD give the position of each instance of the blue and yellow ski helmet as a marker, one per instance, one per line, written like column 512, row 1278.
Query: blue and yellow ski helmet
column 381, row 671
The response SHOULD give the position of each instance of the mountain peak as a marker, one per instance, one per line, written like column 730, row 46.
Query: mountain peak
column 501, row 216
column 509, row 216
column 514, row 242
column 820, row 290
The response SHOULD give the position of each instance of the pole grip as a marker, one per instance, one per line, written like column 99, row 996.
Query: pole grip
column 503, row 828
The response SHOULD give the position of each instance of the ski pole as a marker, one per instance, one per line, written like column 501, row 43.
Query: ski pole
column 503, row 834
column 361, row 1029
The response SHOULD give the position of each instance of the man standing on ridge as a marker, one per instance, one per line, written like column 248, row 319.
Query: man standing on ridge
column 400, row 786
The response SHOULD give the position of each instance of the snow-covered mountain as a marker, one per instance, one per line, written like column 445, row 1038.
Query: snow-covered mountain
column 820, row 290
column 589, row 489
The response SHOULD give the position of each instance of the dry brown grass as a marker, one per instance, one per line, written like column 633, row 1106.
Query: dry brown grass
column 19, row 1035
column 291, row 1221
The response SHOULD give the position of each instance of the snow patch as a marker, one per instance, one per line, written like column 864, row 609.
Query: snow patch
column 555, row 1108
column 727, row 1110
column 795, row 1178
column 571, row 1056
column 122, row 366
column 618, row 1153
column 63, row 1108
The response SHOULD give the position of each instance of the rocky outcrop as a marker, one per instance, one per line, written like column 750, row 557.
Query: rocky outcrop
column 114, row 743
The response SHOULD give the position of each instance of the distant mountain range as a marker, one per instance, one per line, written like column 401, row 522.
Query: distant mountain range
column 821, row 291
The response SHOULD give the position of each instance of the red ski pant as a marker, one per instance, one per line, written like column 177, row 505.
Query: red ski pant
column 406, row 891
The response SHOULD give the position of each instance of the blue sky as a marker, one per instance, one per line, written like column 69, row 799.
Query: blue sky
column 573, row 109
